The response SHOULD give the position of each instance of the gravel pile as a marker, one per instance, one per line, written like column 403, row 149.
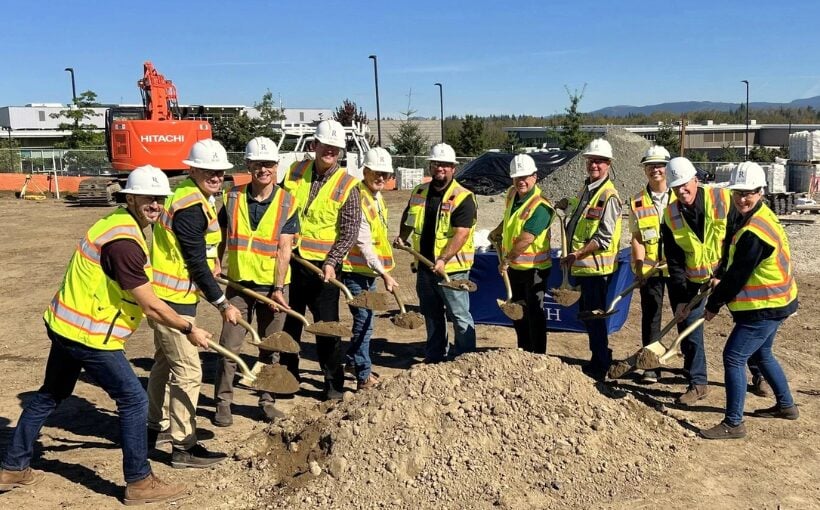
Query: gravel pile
column 499, row 429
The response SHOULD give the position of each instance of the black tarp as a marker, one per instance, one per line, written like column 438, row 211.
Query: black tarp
column 489, row 174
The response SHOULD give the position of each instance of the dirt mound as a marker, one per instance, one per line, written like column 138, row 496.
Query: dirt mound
column 408, row 320
column 503, row 428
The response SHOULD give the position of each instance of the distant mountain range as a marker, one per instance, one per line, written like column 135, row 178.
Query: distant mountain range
column 698, row 106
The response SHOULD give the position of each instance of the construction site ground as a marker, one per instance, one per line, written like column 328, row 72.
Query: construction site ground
column 497, row 429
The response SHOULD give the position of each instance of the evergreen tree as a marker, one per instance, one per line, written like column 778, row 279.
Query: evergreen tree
column 669, row 139
column 471, row 137
column 572, row 137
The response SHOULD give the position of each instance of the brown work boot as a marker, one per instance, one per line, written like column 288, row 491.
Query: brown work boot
column 693, row 394
column 760, row 387
column 10, row 479
column 724, row 431
column 368, row 384
column 152, row 490
column 787, row 413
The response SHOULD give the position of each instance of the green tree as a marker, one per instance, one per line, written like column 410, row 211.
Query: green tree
column 409, row 141
column 235, row 132
column 9, row 156
column 572, row 137
column 267, row 109
column 729, row 154
column 348, row 113
column 470, row 141
column 697, row 156
column 83, row 134
column 513, row 143
column 669, row 139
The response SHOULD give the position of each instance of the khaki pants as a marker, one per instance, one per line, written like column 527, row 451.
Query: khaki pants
column 177, row 374
column 233, row 336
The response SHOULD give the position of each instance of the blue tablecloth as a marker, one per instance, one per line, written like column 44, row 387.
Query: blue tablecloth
column 485, row 310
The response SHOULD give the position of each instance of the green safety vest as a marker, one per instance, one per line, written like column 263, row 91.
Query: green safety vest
column 649, row 224
column 537, row 254
column 374, row 211
column 602, row 261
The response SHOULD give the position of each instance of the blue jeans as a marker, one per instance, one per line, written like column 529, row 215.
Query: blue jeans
column 593, row 297
column 359, row 351
column 694, row 353
column 436, row 303
column 112, row 372
column 751, row 342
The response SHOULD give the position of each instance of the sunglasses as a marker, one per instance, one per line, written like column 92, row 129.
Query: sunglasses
column 150, row 199
column 209, row 174
column 598, row 161
column 742, row 193
column 259, row 165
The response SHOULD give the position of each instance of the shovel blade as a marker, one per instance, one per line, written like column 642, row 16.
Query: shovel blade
column 408, row 320
column 376, row 301
column 512, row 310
column 271, row 378
column 329, row 328
column 280, row 342
column 595, row 314
column 465, row 285
column 649, row 357
column 565, row 296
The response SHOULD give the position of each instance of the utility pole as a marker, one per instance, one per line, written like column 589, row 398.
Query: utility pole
column 747, row 118
column 441, row 104
column 378, row 112
column 73, row 87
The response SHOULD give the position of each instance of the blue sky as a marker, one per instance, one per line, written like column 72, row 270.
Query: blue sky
column 492, row 56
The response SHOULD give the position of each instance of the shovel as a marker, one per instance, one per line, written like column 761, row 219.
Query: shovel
column 319, row 328
column 366, row 299
column 268, row 378
column 514, row 311
column 465, row 285
column 278, row 342
column 405, row 319
column 565, row 295
column 602, row 314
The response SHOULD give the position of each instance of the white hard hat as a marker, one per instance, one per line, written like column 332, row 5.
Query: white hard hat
column 261, row 149
column 443, row 153
column 679, row 171
column 522, row 165
column 655, row 154
column 147, row 180
column 747, row 176
column 208, row 154
column 378, row 160
column 330, row 132
column 599, row 148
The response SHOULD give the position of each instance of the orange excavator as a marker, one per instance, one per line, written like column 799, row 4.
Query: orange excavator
column 156, row 134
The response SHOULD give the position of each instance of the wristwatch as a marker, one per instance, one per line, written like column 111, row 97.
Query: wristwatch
column 187, row 329
column 278, row 289
column 223, row 306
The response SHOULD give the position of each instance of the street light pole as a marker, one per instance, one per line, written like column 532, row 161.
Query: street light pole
column 378, row 111
column 73, row 87
column 441, row 104
column 747, row 118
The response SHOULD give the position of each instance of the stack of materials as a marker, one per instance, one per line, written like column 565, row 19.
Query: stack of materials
column 409, row 178
column 804, row 146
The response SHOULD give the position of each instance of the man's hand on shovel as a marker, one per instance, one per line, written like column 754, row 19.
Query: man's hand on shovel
column 231, row 314
column 389, row 282
column 281, row 303
column 199, row 337
column 329, row 271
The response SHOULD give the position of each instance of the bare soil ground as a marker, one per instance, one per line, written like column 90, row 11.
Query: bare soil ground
column 636, row 448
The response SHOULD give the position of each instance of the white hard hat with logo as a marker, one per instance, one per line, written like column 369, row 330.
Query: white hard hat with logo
column 747, row 176
column 522, row 165
column 599, row 148
column 330, row 132
column 679, row 171
column 261, row 149
column 147, row 180
column 443, row 153
column 656, row 155
column 378, row 160
column 208, row 155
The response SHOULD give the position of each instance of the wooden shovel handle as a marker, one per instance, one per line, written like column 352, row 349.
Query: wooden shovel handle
column 398, row 301
column 504, row 276
column 256, row 340
column 421, row 258
column 564, row 244
column 243, row 367
column 261, row 297
column 320, row 274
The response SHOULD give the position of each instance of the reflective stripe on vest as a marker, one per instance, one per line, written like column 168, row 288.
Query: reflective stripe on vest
column 453, row 196
column 374, row 211
column 649, row 222
column 252, row 253
column 172, row 280
column 771, row 284
column 318, row 223
column 537, row 254
column 702, row 258
column 600, row 262
column 90, row 308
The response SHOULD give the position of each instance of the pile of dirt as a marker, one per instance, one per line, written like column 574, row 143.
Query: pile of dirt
column 503, row 428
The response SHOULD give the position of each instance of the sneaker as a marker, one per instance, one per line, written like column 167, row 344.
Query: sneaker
column 152, row 490
column 10, row 479
column 368, row 384
column 724, row 431
column 649, row 377
column 787, row 413
column 158, row 437
column 760, row 387
column 693, row 394
column 223, row 417
column 270, row 412
column 196, row 457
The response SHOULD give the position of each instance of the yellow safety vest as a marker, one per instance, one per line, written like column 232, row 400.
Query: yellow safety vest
column 649, row 224
column 91, row 308
column 600, row 262
column 252, row 253
column 374, row 211
column 453, row 196
column 772, row 284
column 318, row 223
column 537, row 254
column 172, row 282
column 702, row 258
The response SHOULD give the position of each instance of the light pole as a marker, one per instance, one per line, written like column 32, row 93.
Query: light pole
column 747, row 118
column 441, row 104
column 73, row 87
column 378, row 112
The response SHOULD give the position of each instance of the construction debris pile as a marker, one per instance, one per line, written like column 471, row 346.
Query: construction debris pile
column 502, row 429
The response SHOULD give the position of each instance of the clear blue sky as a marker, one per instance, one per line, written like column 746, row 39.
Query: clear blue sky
column 491, row 56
